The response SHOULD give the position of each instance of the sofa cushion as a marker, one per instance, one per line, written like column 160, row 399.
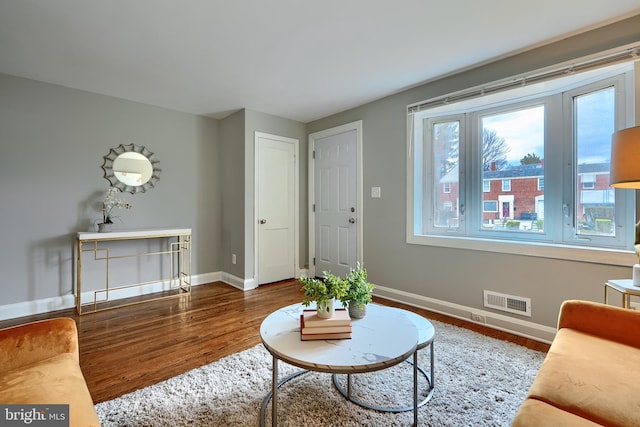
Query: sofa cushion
column 591, row 377
column 534, row 413
column 30, row 342
column 56, row 380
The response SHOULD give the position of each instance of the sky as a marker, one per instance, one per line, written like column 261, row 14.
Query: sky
column 523, row 130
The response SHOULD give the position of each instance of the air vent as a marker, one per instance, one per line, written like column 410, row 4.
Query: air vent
column 508, row 303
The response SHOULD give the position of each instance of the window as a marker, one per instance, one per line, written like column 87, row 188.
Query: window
column 588, row 181
column 490, row 206
column 445, row 161
column 559, row 130
column 595, row 121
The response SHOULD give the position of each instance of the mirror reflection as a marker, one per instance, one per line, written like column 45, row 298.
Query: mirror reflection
column 131, row 168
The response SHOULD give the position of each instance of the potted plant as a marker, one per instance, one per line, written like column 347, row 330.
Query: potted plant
column 358, row 293
column 111, row 202
column 513, row 225
column 324, row 292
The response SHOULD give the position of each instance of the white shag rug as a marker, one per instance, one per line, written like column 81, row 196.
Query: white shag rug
column 479, row 381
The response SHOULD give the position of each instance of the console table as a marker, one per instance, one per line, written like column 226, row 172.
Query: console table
column 178, row 252
column 626, row 289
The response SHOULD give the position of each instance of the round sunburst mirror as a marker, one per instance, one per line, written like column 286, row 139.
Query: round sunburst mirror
column 131, row 168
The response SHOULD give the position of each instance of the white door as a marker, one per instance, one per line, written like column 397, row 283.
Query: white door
column 337, row 210
column 276, row 207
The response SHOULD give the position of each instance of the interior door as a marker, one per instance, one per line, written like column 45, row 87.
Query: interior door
column 276, row 205
column 335, row 199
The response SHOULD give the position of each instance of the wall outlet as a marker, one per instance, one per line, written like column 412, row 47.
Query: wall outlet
column 233, row 258
column 478, row 318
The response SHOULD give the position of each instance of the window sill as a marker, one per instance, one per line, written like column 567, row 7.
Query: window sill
column 605, row 256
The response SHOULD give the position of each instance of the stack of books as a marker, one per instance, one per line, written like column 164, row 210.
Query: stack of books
column 313, row 327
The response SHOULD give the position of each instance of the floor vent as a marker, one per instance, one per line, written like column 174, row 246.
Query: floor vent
column 509, row 303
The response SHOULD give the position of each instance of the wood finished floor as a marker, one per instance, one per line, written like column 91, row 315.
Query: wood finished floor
column 132, row 347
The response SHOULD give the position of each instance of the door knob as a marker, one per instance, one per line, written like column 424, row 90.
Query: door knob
column 262, row 221
column 352, row 220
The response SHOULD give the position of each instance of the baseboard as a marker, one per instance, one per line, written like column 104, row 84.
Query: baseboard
column 497, row 321
column 28, row 308
column 252, row 283
column 47, row 305
column 493, row 320
column 64, row 302
column 238, row 282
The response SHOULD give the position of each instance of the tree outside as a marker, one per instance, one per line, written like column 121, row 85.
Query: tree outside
column 494, row 151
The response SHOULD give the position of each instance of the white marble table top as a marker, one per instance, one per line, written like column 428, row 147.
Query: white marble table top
column 426, row 331
column 624, row 285
column 383, row 338
column 133, row 234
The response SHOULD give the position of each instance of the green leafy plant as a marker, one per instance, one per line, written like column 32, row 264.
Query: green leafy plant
column 322, row 290
column 359, row 290
column 604, row 225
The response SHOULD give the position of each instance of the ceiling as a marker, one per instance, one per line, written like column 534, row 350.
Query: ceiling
column 296, row 59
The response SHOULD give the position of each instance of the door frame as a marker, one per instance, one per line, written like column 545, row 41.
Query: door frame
column 357, row 126
column 296, row 202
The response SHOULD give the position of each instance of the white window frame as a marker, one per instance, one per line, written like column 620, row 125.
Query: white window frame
column 506, row 185
column 568, row 246
column 486, row 186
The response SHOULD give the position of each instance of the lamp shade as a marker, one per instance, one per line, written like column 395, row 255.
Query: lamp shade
column 625, row 159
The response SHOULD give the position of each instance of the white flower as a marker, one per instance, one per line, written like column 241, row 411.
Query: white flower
column 110, row 202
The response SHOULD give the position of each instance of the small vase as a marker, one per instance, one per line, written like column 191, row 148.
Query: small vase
column 104, row 227
column 326, row 309
column 357, row 311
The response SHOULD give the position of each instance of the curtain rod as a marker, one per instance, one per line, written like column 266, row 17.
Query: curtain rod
column 611, row 57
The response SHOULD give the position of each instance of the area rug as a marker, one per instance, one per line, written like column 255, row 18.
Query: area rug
column 479, row 381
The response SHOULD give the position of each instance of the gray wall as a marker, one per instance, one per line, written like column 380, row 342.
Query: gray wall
column 267, row 123
column 238, row 146
column 52, row 140
column 232, row 202
column 454, row 275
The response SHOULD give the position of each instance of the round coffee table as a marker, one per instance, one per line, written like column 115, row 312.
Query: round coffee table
column 426, row 334
column 383, row 338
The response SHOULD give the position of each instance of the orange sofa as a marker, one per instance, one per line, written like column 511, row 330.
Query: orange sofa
column 591, row 375
column 39, row 364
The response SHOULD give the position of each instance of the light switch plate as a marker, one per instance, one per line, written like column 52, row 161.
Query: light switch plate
column 375, row 192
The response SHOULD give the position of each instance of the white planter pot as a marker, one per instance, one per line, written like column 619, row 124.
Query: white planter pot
column 104, row 227
column 326, row 309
